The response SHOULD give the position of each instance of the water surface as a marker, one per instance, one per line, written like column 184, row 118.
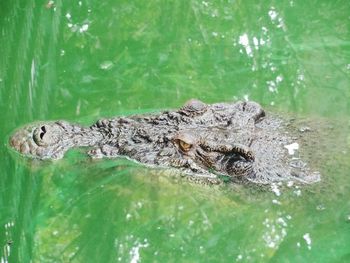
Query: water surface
column 88, row 59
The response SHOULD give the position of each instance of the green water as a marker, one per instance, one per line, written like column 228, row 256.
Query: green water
column 84, row 60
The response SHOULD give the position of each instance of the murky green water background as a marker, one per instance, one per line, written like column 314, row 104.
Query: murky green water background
column 81, row 60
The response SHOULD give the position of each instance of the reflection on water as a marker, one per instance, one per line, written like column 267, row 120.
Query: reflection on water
column 6, row 252
column 93, row 58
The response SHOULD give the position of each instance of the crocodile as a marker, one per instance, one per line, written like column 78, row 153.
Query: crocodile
column 237, row 141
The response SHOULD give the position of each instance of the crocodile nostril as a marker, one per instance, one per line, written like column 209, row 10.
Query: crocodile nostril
column 244, row 104
column 43, row 131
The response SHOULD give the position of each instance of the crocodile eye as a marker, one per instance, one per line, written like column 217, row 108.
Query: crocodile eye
column 185, row 146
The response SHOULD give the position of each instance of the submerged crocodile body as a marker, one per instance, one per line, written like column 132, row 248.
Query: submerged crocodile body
column 238, row 140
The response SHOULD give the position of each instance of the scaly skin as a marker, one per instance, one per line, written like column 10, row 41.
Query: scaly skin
column 233, row 139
